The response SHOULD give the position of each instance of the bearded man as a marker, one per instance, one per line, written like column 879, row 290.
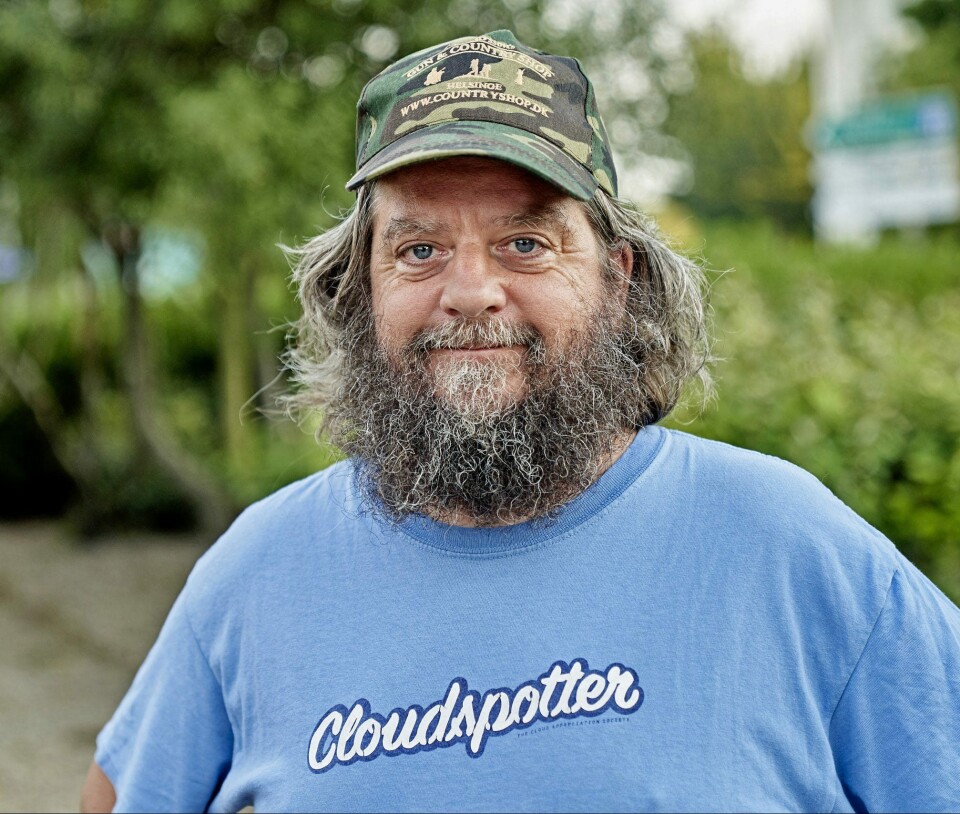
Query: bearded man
column 519, row 592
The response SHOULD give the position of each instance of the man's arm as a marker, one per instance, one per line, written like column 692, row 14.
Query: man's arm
column 895, row 732
column 170, row 743
column 98, row 795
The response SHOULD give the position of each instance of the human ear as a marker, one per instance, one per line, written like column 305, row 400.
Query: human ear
column 621, row 267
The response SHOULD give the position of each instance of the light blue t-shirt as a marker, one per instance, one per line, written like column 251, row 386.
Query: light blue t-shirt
column 704, row 628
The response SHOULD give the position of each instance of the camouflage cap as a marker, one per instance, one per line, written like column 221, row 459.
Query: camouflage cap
column 487, row 96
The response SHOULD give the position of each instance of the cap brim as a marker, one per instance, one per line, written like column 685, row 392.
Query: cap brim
column 488, row 139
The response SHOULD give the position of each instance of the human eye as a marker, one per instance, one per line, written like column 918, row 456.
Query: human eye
column 525, row 245
column 418, row 252
column 524, row 248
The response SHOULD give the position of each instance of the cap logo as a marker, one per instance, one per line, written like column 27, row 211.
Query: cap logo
column 483, row 45
column 488, row 91
column 490, row 79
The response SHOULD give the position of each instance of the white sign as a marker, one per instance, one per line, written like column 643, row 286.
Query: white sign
column 891, row 164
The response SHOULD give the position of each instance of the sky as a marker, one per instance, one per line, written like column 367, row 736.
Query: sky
column 771, row 33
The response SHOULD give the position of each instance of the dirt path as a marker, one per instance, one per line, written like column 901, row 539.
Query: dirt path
column 76, row 620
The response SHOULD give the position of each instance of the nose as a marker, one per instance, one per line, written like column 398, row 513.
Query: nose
column 473, row 286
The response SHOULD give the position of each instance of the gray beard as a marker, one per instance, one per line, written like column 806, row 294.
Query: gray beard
column 450, row 443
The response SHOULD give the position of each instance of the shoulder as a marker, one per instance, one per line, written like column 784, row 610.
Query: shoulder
column 755, row 486
column 302, row 503
column 767, row 510
column 803, row 560
column 277, row 535
column 737, row 471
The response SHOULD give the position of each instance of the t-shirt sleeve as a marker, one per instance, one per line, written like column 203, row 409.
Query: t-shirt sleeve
column 169, row 744
column 896, row 730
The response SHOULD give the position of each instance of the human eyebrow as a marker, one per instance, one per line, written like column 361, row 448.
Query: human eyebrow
column 400, row 227
column 550, row 215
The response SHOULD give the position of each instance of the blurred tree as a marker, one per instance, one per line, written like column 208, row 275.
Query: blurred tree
column 744, row 139
column 84, row 131
column 935, row 60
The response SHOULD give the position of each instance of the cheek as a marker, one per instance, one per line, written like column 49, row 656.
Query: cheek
column 390, row 331
column 554, row 311
column 398, row 314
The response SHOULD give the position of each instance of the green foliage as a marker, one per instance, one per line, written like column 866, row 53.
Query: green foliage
column 744, row 139
column 935, row 15
column 935, row 61
column 845, row 362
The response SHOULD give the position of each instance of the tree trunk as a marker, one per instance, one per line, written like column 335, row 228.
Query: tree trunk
column 91, row 379
column 212, row 506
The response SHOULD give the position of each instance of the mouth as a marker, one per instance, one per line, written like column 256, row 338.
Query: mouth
column 480, row 351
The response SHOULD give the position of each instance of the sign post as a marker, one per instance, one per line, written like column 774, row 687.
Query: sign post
column 891, row 163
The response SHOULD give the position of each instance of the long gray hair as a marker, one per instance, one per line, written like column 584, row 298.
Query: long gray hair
column 666, row 309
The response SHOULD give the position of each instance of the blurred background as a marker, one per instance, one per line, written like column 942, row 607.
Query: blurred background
column 154, row 154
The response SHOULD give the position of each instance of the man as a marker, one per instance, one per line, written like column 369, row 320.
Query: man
column 520, row 593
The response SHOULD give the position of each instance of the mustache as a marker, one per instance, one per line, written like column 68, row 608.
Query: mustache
column 462, row 333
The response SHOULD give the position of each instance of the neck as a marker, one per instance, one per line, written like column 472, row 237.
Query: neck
column 456, row 517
